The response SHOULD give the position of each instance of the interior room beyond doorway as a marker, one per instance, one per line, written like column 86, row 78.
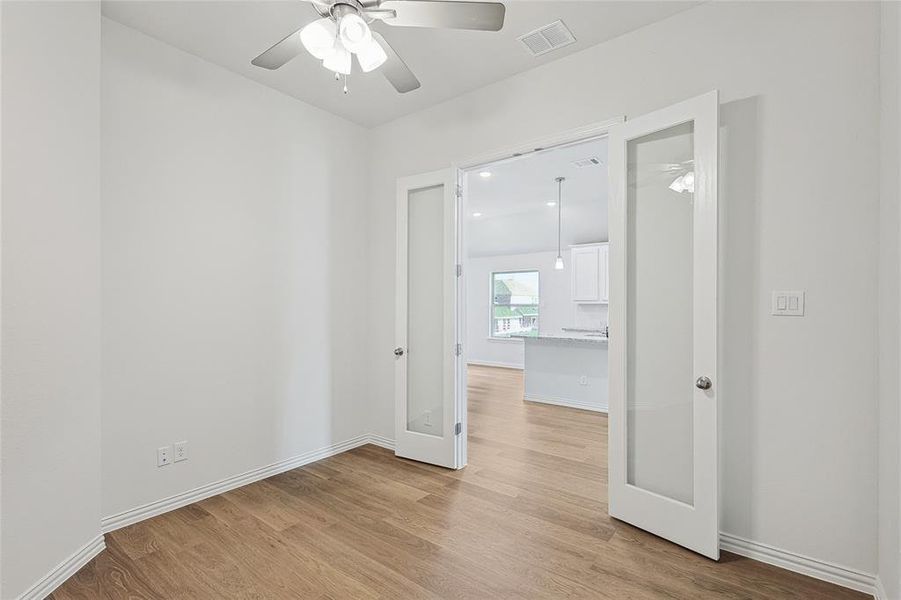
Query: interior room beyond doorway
column 535, row 241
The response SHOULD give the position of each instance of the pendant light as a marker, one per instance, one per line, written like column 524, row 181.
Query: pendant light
column 558, row 264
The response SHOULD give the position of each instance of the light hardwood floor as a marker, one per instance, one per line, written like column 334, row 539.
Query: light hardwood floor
column 526, row 519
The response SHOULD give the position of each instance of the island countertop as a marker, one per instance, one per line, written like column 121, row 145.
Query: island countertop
column 565, row 335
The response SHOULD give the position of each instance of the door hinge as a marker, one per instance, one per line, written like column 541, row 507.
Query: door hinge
column 458, row 428
column 459, row 270
column 458, row 191
column 458, row 349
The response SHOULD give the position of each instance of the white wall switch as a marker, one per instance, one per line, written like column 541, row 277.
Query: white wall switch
column 163, row 456
column 180, row 451
column 788, row 304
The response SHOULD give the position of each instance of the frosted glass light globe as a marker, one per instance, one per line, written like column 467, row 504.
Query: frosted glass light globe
column 354, row 32
column 339, row 61
column 319, row 38
column 371, row 56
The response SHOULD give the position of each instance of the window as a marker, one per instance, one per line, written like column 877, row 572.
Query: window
column 514, row 304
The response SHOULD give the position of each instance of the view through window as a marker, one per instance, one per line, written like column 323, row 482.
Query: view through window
column 514, row 306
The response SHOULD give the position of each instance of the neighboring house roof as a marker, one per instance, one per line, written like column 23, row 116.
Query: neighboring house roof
column 501, row 288
column 513, row 287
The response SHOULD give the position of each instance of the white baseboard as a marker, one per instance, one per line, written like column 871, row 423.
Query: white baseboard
column 880, row 594
column 567, row 403
column 380, row 440
column 489, row 363
column 826, row 571
column 64, row 570
column 152, row 509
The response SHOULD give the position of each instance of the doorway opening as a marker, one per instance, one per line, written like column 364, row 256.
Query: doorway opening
column 657, row 277
column 534, row 249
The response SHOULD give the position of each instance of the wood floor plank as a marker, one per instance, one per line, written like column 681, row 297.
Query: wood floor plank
column 527, row 518
column 386, row 582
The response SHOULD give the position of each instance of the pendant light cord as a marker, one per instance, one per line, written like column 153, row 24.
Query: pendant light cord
column 560, row 181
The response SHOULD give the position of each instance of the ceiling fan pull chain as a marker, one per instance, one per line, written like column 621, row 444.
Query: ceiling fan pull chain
column 345, row 84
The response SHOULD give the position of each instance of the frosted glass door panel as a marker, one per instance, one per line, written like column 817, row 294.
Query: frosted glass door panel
column 426, row 347
column 659, row 306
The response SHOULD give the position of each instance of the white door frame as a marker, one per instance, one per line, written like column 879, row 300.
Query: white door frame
column 550, row 142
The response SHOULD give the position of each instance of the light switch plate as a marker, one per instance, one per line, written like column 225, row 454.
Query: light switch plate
column 788, row 304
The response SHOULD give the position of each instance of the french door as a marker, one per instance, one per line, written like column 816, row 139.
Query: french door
column 663, row 323
column 426, row 332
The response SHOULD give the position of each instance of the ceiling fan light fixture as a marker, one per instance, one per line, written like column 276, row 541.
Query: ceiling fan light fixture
column 677, row 185
column 371, row 56
column 339, row 61
column 319, row 38
column 684, row 183
column 354, row 32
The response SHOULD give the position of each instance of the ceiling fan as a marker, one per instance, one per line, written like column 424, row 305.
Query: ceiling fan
column 343, row 31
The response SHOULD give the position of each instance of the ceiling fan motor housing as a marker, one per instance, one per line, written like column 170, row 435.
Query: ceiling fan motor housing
column 338, row 9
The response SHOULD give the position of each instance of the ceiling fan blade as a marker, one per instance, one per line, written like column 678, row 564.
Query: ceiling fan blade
column 280, row 53
column 482, row 16
column 380, row 14
column 395, row 69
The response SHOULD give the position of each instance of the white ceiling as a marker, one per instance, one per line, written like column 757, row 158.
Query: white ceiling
column 448, row 63
column 515, row 217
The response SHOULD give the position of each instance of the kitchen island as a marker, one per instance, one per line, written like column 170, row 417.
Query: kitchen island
column 566, row 368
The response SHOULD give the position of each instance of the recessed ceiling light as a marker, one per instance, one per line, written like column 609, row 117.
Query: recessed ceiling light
column 485, row 174
column 552, row 203
column 477, row 214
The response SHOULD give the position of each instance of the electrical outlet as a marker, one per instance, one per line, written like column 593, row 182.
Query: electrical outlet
column 181, row 451
column 428, row 418
column 163, row 456
column 583, row 380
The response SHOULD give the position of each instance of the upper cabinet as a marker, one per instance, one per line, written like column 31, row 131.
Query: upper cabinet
column 590, row 279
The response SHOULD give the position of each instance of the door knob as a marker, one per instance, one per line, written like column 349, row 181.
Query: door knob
column 398, row 352
column 703, row 383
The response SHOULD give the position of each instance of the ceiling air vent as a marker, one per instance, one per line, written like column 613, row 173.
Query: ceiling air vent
column 587, row 162
column 547, row 38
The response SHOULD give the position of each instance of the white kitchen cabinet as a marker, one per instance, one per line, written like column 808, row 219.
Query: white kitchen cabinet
column 590, row 275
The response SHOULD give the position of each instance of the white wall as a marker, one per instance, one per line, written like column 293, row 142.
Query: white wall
column 556, row 309
column 234, row 264
column 799, row 92
column 889, row 366
column 50, row 299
